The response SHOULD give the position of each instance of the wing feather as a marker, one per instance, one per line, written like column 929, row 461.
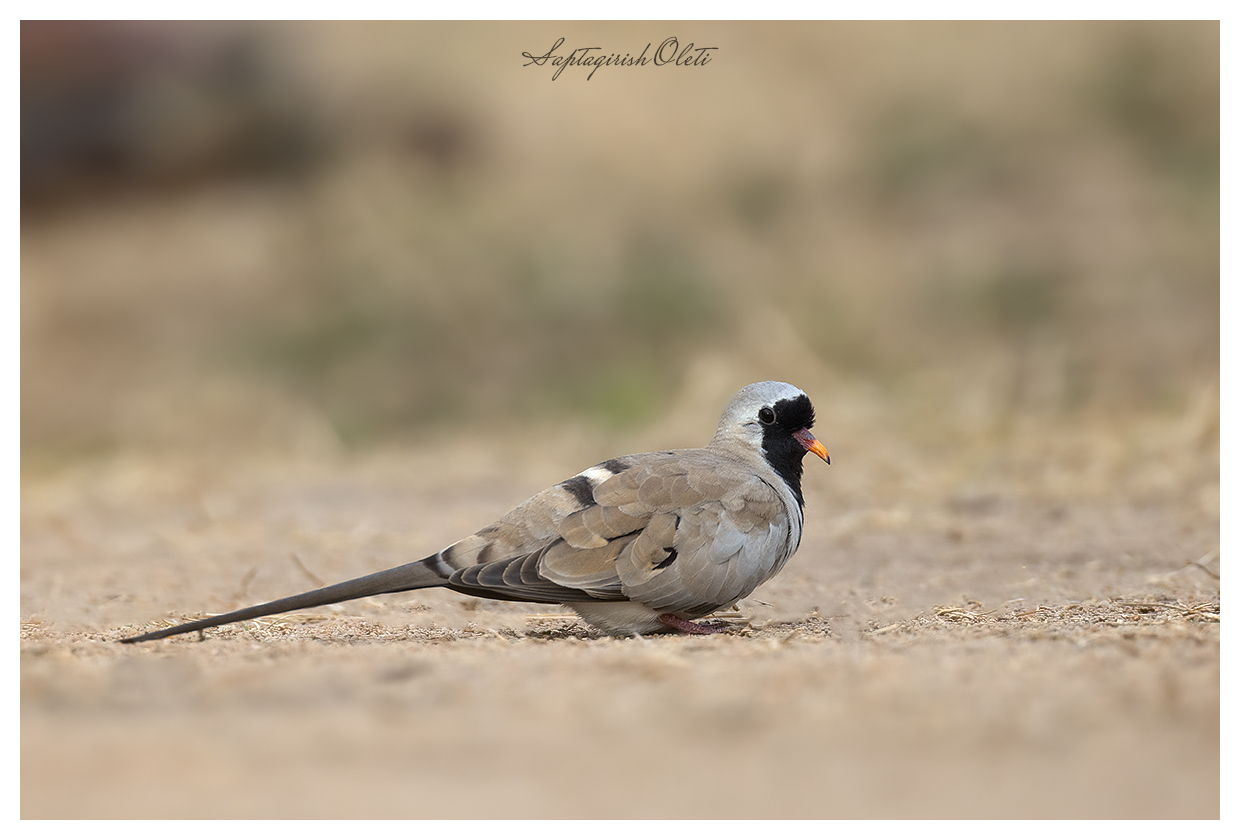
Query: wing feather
column 683, row 532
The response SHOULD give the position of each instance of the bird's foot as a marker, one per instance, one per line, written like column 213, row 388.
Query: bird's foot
column 684, row 625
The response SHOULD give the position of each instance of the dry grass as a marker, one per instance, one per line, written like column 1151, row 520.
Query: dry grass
column 980, row 233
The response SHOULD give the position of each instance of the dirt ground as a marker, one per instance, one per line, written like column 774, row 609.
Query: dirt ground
column 984, row 652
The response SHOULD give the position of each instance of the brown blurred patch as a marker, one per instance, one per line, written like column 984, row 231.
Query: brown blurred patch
column 941, row 210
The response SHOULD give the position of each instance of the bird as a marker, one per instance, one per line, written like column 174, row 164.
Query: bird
column 636, row 545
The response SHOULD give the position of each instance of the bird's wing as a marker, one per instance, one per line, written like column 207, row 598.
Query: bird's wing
column 722, row 531
column 685, row 530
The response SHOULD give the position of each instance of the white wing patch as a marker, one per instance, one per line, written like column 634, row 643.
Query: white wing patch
column 596, row 475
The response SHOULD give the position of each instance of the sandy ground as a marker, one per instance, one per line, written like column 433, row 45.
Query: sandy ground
column 985, row 654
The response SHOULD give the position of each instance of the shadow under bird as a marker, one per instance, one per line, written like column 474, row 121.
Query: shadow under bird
column 640, row 544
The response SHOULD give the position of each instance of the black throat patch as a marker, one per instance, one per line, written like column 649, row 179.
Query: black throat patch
column 784, row 452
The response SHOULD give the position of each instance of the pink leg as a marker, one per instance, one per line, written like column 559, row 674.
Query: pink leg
column 684, row 625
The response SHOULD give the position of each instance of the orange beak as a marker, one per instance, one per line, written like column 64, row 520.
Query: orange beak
column 812, row 444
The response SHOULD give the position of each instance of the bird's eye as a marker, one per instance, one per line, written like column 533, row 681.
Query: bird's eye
column 766, row 415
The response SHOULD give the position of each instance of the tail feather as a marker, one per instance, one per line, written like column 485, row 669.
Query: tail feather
column 419, row 575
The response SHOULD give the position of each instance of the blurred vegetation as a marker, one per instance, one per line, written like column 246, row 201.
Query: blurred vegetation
column 351, row 232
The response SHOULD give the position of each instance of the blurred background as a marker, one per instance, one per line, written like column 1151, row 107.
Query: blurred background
column 322, row 238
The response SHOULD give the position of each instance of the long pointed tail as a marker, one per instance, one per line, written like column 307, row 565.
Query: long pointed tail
column 419, row 575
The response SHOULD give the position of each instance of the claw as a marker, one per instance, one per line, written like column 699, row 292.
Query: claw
column 684, row 625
